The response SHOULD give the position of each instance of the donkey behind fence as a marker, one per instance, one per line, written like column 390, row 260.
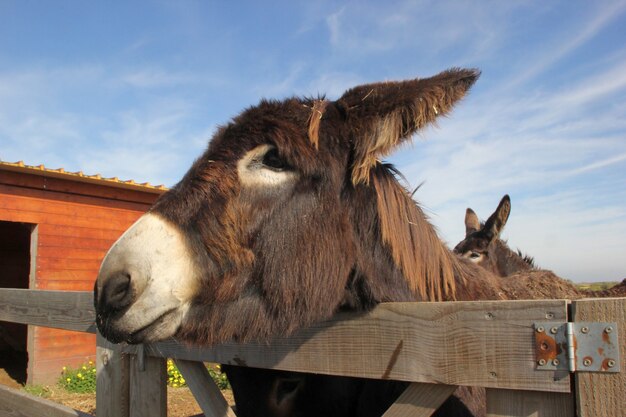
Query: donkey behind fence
column 287, row 218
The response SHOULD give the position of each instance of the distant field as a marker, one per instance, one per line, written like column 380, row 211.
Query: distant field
column 596, row 286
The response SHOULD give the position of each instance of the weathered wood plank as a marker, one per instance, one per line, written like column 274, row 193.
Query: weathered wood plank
column 511, row 403
column 464, row 343
column 597, row 393
column 207, row 394
column 420, row 400
column 148, row 387
column 113, row 379
column 33, row 217
column 76, row 209
column 16, row 403
column 69, row 310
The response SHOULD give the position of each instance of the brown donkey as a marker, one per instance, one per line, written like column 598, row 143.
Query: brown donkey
column 483, row 246
column 287, row 218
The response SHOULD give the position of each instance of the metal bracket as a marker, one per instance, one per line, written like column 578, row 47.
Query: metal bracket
column 577, row 347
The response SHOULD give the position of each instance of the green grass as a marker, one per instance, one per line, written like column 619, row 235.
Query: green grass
column 596, row 286
column 81, row 380
column 176, row 380
column 37, row 390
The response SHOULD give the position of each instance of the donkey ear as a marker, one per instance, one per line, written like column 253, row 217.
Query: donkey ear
column 495, row 223
column 472, row 224
column 382, row 115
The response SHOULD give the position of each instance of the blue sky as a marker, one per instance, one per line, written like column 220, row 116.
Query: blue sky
column 136, row 89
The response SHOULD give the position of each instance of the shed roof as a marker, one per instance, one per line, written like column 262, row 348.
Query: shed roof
column 79, row 176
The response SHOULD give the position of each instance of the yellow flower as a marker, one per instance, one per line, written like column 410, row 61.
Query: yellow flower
column 79, row 375
column 84, row 367
column 68, row 379
column 65, row 368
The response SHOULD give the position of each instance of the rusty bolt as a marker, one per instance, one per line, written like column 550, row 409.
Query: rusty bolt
column 585, row 329
column 540, row 329
column 554, row 330
column 555, row 362
column 541, row 362
column 493, row 374
column 609, row 329
column 610, row 363
column 549, row 316
column 489, row 316
column 587, row 362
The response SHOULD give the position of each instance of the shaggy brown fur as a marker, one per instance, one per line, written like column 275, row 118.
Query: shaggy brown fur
column 279, row 263
column 344, row 235
column 317, row 112
column 618, row 290
column 482, row 241
column 429, row 275
column 388, row 113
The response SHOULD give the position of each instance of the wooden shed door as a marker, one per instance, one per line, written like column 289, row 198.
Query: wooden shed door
column 15, row 261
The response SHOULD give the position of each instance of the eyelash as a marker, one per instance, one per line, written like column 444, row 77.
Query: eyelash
column 273, row 161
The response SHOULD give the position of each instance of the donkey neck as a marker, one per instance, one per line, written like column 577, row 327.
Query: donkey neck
column 507, row 261
column 399, row 254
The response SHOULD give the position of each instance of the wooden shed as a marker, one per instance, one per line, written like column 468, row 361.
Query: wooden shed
column 55, row 228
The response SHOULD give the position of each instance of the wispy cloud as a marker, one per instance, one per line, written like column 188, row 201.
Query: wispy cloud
column 151, row 77
column 147, row 142
column 426, row 29
column 546, row 123
column 574, row 38
column 599, row 164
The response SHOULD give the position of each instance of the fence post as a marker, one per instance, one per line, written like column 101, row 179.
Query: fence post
column 420, row 400
column 204, row 389
column 148, row 385
column 514, row 403
column 598, row 393
column 112, row 386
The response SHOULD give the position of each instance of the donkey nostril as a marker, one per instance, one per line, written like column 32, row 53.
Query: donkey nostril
column 116, row 291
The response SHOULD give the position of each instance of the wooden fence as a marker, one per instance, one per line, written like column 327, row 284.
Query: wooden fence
column 435, row 346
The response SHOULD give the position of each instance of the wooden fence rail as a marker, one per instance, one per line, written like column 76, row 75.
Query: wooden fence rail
column 435, row 346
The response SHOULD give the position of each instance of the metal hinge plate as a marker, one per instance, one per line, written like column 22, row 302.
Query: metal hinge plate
column 577, row 347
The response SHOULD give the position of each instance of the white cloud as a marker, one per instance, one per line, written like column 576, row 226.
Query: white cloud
column 149, row 141
column 605, row 13
column 599, row 164
column 546, row 123
column 561, row 154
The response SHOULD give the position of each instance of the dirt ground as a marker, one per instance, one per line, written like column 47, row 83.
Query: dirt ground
column 180, row 401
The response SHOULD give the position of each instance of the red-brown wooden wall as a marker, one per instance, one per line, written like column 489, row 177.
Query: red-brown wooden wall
column 76, row 220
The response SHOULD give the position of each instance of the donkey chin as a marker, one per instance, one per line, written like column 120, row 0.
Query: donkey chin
column 141, row 295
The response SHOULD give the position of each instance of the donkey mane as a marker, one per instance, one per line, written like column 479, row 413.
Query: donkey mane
column 427, row 265
column 317, row 112
column 530, row 260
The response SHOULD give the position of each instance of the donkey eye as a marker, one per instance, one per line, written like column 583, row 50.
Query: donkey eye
column 272, row 160
column 475, row 255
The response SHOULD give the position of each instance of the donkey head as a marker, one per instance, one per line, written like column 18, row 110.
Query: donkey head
column 483, row 246
column 286, row 217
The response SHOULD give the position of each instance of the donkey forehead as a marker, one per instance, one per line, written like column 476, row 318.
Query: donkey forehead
column 476, row 241
column 282, row 122
column 287, row 126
